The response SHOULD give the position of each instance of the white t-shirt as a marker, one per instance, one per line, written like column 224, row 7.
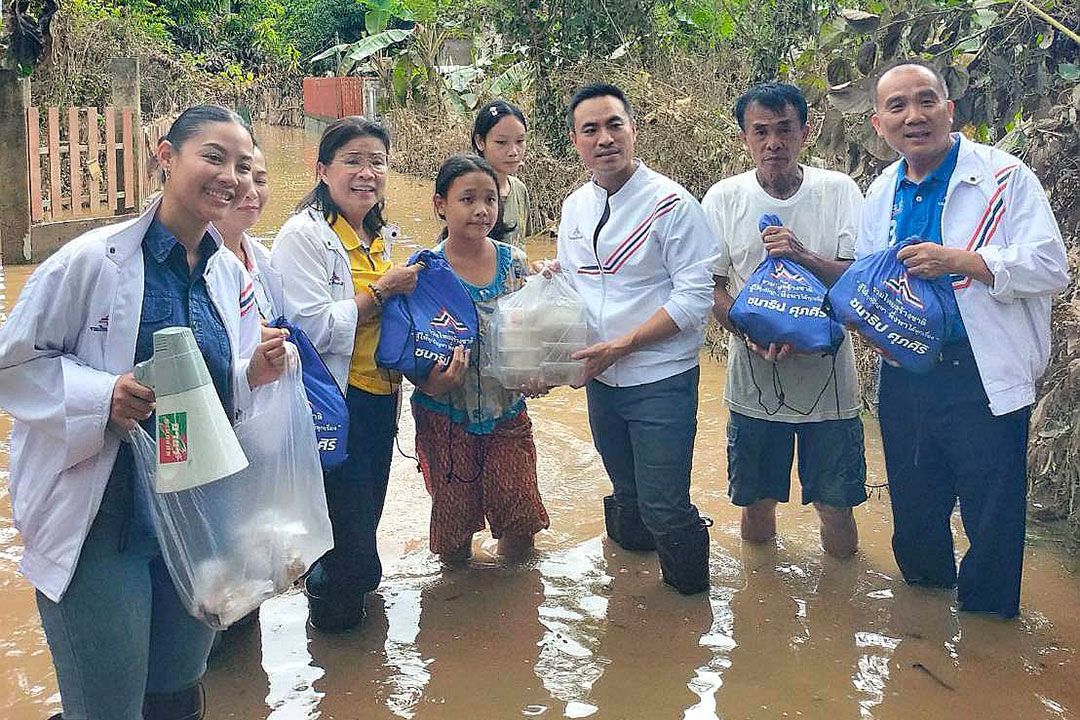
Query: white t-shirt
column 824, row 215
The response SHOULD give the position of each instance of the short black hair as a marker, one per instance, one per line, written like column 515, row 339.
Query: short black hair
column 774, row 96
column 916, row 62
column 595, row 90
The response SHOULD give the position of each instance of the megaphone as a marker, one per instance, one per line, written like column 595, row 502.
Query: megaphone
column 195, row 441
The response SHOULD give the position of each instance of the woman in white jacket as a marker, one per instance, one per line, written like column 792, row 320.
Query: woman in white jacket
column 334, row 258
column 123, row 646
column 246, row 210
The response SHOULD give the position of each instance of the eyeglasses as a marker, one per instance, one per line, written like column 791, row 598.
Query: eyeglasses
column 376, row 163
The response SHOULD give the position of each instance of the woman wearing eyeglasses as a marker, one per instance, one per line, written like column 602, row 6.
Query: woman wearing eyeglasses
column 334, row 258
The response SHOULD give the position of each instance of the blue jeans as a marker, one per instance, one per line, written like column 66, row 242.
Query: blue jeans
column 355, row 495
column 645, row 436
column 120, row 631
column 941, row 445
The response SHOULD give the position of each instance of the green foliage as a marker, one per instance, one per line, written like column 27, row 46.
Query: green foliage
column 351, row 54
column 245, row 32
column 1000, row 64
column 312, row 25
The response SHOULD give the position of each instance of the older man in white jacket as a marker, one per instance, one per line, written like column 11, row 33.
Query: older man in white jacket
column 959, row 432
column 637, row 247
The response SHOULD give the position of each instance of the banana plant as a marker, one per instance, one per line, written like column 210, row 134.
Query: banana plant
column 353, row 54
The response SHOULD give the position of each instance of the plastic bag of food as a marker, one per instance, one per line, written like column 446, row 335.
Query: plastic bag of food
column 233, row 543
column 534, row 333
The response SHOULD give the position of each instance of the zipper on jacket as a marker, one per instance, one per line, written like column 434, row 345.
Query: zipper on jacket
column 604, row 217
column 600, row 226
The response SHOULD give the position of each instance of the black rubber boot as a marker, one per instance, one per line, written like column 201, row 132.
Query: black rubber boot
column 186, row 704
column 624, row 526
column 333, row 615
column 684, row 558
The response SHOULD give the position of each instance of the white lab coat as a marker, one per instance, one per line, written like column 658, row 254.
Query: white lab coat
column 318, row 287
column 67, row 341
column 268, row 283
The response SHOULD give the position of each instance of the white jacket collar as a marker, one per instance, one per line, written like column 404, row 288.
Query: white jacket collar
column 628, row 188
column 971, row 167
column 126, row 238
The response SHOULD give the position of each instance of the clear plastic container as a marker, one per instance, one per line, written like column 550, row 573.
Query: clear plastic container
column 518, row 317
column 518, row 377
column 518, row 338
column 556, row 317
column 561, row 373
column 572, row 333
column 521, row 357
column 560, row 351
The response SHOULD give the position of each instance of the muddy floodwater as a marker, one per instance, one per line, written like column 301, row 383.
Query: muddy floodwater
column 588, row 630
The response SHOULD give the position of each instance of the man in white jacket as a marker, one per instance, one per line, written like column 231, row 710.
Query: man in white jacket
column 959, row 432
column 637, row 247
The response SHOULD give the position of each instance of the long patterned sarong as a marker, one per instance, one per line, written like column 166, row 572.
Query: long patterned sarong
column 473, row 477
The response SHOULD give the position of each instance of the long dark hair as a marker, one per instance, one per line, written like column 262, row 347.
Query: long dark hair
column 488, row 117
column 336, row 135
column 458, row 165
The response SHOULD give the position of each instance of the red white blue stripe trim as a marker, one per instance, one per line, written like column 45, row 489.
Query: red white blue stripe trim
column 633, row 242
column 247, row 299
column 991, row 218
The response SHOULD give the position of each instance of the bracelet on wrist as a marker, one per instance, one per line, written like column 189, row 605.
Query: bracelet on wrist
column 376, row 294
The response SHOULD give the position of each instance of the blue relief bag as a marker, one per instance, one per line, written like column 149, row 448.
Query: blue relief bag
column 423, row 328
column 903, row 315
column 783, row 302
column 327, row 402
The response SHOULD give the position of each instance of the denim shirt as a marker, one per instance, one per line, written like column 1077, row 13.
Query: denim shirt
column 917, row 212
column 172, row 296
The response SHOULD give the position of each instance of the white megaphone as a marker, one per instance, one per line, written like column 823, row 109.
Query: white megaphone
column 195, row 442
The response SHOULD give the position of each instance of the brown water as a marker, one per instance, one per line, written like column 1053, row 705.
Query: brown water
column 587, row 631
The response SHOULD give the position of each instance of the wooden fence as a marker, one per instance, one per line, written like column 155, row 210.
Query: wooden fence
column 85, row 166
column 151, row 135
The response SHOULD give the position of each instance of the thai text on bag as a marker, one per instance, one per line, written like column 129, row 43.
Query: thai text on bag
column 903, row 315
column 422, row 328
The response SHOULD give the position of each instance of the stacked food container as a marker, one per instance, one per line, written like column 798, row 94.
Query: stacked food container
column 533, row 341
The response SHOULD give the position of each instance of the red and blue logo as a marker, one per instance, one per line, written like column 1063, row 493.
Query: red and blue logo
column 102, row 325
column 783, row 272
column 902, row 287
column 443, row 319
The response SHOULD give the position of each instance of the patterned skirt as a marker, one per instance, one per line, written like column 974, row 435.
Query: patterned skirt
column 473, row 477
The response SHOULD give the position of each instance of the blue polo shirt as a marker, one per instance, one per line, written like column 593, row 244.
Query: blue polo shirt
column 917, row 212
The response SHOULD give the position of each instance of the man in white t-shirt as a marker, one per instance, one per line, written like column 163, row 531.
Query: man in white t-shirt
column 805, row 399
